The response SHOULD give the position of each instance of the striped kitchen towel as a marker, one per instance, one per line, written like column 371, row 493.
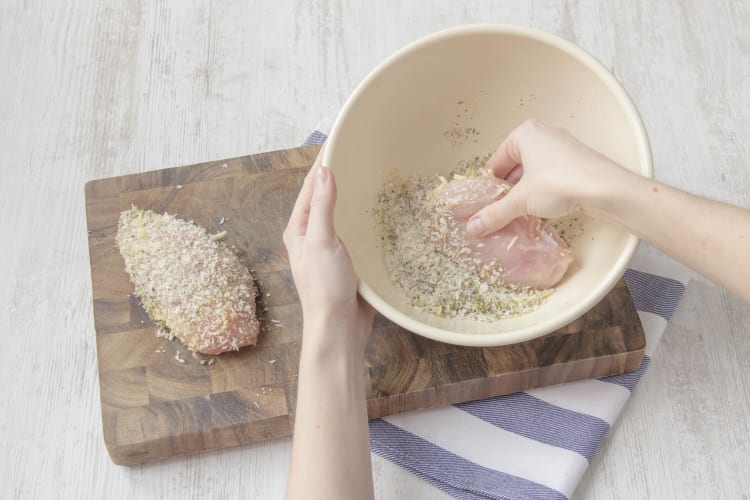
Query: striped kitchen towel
column 533, row 444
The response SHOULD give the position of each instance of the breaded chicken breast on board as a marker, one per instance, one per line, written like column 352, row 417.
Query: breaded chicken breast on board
column 188, row 281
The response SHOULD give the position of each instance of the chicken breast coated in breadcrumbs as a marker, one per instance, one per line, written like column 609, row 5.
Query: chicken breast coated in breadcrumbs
column 188, row 281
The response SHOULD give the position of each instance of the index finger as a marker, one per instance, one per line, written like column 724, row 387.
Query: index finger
column 297, row 225
column 505, row 158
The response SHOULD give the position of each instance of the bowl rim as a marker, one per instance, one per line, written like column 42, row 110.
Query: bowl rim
column 595, row 294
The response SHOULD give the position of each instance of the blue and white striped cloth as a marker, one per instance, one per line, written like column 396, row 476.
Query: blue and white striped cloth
column 533, row 444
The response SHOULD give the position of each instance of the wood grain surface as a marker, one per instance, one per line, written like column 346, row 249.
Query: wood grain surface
column 155, row 407
column 92, row 89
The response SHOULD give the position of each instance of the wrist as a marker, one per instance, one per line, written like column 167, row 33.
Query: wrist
column 329, row 335
column 608, row 198
column 332, row 362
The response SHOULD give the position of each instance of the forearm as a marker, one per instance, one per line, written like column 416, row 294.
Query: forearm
column 331, row 454
column 712, row 238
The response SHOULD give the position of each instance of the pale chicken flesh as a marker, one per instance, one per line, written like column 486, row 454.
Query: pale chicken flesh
column 528, row 252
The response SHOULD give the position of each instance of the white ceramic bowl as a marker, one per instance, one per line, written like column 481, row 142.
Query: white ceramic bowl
column 494, row 77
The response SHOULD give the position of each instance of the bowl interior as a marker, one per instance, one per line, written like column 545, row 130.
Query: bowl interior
column 412, row 114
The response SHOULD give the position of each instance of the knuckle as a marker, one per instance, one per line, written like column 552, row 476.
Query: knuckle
column 286, row 238
column 490, row 216
column 318, row 201
column 530, row 125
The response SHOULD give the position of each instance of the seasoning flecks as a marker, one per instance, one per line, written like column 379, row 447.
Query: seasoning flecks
column 427, row 256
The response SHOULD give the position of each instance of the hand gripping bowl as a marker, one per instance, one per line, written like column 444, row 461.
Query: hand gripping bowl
column 489, row 78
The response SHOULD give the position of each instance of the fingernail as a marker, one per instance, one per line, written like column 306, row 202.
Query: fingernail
column 322, row 174
column 475, row 227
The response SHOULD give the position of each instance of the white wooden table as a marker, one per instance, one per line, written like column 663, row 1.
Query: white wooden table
column 90, row 89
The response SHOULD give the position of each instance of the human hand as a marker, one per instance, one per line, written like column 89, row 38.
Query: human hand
column 330, row 429
column 554, row 174
column 321, row 266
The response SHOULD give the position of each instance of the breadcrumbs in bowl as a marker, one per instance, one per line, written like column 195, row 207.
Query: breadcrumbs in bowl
column 450, row 98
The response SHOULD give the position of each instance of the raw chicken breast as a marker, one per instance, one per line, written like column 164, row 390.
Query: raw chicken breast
column 529, row 251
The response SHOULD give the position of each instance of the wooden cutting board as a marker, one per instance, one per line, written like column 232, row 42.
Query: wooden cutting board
column 154, row 406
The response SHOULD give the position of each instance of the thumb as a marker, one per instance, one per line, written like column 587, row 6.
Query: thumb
column 320, row 222
column 498, row 214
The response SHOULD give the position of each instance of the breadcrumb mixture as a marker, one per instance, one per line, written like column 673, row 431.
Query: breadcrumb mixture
column 429, row 260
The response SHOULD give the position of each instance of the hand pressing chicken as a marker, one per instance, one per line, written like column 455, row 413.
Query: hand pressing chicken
column 528, row 251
